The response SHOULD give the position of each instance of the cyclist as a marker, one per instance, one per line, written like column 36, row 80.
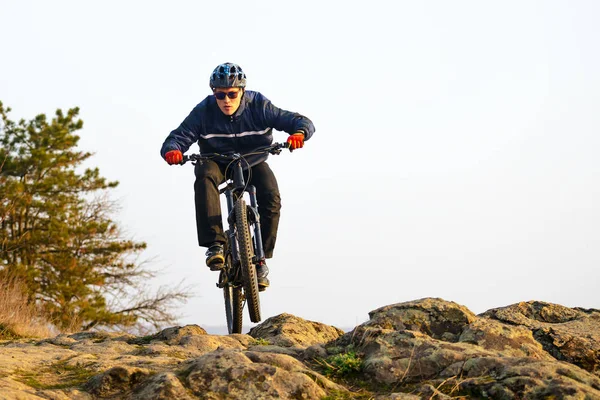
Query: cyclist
column 234, row 120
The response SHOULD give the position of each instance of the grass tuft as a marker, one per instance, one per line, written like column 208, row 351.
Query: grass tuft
column 18, row 317
column 260, row 342
column 59, row 375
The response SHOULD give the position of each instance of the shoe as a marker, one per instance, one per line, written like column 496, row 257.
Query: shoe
column 214, row 257
column 261, row 275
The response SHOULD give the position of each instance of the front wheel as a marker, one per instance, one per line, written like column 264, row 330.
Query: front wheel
column 246, row 253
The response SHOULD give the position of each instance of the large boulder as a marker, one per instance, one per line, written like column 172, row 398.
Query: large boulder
column 287, row 330
column 567, row 334
column 440, row 319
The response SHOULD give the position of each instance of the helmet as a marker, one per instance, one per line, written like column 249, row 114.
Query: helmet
column 228, row 75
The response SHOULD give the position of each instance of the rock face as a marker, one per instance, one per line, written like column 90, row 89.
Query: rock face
column 568, row 334
column 423, row 349
column 510, row 353
column 176, row 363
column 252, row 375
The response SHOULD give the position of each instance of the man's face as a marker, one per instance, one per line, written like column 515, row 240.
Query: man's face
column 228, row 105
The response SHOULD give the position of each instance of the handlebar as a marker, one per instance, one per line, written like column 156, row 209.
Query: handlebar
column 275, row 148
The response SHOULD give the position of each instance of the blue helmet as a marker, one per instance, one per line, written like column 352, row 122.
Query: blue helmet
column 228, row 75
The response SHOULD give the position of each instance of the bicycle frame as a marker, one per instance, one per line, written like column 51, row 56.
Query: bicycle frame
column 236, row 188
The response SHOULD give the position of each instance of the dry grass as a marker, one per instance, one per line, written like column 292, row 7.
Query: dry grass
column 18, row 318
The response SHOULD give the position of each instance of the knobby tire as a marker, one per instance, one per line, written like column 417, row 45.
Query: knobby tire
column 246, row 251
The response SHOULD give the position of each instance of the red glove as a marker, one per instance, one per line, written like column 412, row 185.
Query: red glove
column 296, row 141
column 174, row 157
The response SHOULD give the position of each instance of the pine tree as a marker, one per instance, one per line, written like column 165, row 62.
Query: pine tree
column 56, row 231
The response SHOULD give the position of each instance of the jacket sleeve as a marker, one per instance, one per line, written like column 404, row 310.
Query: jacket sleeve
column 286, row 121
column 186, row 134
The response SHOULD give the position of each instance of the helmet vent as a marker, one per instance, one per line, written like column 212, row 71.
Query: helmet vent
column 228, row 75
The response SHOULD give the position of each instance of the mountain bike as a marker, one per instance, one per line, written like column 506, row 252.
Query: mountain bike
column 243, row 248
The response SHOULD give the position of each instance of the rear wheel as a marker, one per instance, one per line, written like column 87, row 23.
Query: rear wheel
column 246, row 254
column 234, row 301
column 234, row 306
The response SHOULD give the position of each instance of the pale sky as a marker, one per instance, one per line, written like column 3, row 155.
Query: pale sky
column 455, row 153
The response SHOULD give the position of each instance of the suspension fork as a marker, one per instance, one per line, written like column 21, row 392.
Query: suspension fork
column 258, row 251
column 231, row 194
column 233, row 244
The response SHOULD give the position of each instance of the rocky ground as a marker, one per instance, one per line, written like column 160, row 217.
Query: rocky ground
column 424, row 349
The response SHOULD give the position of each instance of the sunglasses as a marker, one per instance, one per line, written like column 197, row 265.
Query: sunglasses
column 231, row 95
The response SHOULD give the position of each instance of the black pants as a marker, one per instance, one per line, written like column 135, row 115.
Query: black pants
column 209, row 222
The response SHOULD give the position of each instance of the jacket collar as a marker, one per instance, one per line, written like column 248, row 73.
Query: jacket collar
column 242, row 106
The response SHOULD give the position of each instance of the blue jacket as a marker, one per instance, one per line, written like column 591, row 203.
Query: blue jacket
column 249, row 128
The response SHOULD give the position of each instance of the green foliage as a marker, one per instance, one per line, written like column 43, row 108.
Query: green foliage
column 261, row 342
column 343, row 364
column 56, row 231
